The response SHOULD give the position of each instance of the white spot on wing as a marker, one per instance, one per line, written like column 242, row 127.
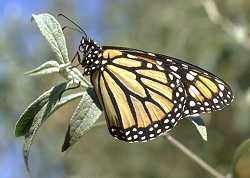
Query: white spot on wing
column 135, row 136
column 127, row 133
column 178, row 76
column 171, row 76
column 180, row 89
column 151, row 54
column 104, row 61
column 159, row 62
column 167, row 127
column 192, row 89
column 159, row 131
column 189, row 77
column 221, row 87
column 215, row 100
column 174, row 68
column 184, row 65
column 160, row 68
column 192, row 103
column 131, row 56
column 149, row 65
column 218, row 81
column 151, row 135
column 166, row 121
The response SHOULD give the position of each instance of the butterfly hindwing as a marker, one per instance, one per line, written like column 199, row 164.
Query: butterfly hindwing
column 205, row 92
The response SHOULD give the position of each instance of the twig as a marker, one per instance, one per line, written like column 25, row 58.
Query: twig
column 186, row 151
column 238, row 32
column 194, row 157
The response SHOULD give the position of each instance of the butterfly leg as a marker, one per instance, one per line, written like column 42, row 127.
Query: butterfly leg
column 71, row 88
column 77, row 55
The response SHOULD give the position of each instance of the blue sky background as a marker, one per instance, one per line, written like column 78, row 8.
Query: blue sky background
column 12, row 11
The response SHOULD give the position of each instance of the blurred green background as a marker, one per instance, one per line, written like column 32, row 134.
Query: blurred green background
column 178, row 28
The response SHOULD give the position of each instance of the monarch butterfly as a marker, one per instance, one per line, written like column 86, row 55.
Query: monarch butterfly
column 144, row 94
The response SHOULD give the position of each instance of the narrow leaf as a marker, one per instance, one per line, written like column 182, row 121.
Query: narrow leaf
column 53, row 33
column 200, row 126
column 83, row 118
column 39, row 118
column 48, row 67
column 54, row 97
column 28, row 138
column 242, row 150
column 24, row 123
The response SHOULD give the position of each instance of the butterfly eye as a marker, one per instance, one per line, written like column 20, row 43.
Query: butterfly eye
column 81, row 48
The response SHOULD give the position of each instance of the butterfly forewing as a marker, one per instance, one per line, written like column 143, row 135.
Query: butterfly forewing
column 140, row 99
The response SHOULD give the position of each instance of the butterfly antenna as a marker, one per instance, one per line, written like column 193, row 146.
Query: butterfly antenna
column 78, row 26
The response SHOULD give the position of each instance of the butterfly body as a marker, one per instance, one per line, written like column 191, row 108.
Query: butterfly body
column 144, row 94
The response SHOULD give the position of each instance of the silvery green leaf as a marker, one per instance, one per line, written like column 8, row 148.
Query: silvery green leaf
column 53, row 33
column 54, row 97
column 49, row 97
column 28, row 138
column 24, row 123
column 48, row 67
column 39, row 118
column 242, row 150
column 83, row 118
column 200, row 126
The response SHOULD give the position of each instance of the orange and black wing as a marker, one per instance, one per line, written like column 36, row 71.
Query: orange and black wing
column 144, row 94
column 205, row 92
column 141, row 100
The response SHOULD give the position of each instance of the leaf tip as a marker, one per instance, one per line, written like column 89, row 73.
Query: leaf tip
column 200, row 126
column 32, row 17
column 66, row 143
column 26, row 159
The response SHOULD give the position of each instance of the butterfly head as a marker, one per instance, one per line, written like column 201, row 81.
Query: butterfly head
column 89, row 53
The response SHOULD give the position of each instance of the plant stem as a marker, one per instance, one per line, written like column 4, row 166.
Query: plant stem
column 187, row 152
column 194, row 157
